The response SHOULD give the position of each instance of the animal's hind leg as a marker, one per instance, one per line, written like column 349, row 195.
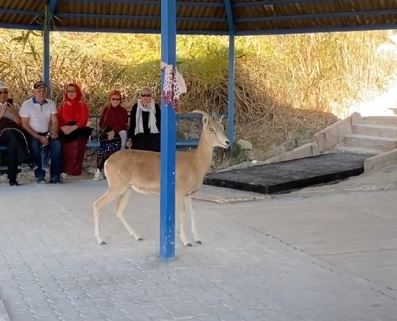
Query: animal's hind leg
column 105, row 199
column 190, row 212
column 121, row 204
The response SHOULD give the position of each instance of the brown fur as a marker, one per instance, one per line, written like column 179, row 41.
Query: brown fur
column 140, row 170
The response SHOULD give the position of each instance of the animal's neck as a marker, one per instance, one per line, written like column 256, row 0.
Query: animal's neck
column 204, row 153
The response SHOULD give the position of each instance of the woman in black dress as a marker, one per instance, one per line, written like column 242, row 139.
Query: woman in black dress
column 145, row 122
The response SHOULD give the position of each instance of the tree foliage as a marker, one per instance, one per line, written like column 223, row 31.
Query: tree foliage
column 284, row 84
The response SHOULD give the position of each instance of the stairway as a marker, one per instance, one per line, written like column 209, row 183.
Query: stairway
column 371, row 135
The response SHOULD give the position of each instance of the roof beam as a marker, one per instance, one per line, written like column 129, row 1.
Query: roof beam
column 20, row 12
column 128, row 17
column 21, row 26
column 229, row 16
column 277, row 2
column 319, row 16
column 344, row 28
column 152, row 3
column 129, row 30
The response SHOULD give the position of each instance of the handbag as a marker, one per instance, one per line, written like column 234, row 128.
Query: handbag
column 103, row 133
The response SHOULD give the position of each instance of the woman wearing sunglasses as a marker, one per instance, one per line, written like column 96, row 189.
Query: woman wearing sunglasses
column 11, row 135
column 113, row 131
column 145, row 121
column 73, row 118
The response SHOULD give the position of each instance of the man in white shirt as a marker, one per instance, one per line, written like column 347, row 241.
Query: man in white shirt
column 39, row 118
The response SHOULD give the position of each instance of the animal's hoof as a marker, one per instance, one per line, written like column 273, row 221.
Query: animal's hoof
column 198, row 242
column 102, row 243
column 139, row 239
column 189, row 245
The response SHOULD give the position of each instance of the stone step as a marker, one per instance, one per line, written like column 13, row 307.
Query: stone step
column 371, row 142
column 357, row 150
column 394, row 110
column 380, row 120
column 375, row 130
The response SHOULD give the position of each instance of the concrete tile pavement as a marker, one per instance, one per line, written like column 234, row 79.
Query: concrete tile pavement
column 274, row 259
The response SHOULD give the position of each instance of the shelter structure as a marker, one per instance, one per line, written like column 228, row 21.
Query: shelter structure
column 212, row 17
column 216, row 17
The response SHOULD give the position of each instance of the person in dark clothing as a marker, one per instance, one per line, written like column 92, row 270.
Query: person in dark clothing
column 113, row 131
column 12, row 136
column 145, row 122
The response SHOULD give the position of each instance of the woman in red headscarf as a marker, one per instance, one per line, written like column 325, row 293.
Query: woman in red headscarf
column 73, row 118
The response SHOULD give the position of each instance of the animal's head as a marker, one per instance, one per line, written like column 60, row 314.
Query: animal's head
column 214, row 130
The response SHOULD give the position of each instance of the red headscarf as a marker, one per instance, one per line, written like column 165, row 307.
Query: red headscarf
column 73, row 110
column 78, row 93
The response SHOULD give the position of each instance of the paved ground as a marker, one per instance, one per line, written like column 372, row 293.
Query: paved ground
column 323, row 254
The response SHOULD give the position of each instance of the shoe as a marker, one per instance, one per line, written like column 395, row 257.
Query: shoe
column 56, row 180
column 13, row 182
column 98, row 175
column 41, row 180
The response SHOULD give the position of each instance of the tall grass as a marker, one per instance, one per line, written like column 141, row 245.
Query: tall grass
column 287, row 87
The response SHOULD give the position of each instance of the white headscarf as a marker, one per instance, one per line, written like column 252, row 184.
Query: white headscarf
column 152, row 118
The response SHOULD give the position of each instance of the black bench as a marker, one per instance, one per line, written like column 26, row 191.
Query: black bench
column 183, row 141
column 3, row 149
column 186, row 138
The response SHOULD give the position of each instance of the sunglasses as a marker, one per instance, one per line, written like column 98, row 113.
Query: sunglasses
column 5, row 92
column 71, row 91
column 116, row 99
column 145, row 95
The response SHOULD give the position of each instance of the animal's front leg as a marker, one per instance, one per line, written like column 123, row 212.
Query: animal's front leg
column 180, row 209
column 106, row 198
column 96, row 226
column 191, row 213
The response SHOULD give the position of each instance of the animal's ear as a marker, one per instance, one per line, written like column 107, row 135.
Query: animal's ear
column 205, row 118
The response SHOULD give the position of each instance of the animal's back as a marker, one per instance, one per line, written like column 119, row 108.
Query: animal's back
column 139, row 169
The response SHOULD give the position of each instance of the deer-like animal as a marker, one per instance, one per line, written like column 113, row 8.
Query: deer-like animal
column 140, row 171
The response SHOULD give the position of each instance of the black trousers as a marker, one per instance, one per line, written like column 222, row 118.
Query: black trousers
column 16, row 150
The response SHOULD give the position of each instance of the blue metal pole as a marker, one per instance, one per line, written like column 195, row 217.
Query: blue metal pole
column 231, row 72
column 167, row 188
column 230, row 92
column 46, row 48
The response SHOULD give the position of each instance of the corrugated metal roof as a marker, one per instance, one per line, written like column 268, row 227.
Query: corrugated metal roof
column 248, row 17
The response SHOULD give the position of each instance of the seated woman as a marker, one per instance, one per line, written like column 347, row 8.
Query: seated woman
column 145, row 122
column 113, row 129
column 12, row 136
column 73, row 118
